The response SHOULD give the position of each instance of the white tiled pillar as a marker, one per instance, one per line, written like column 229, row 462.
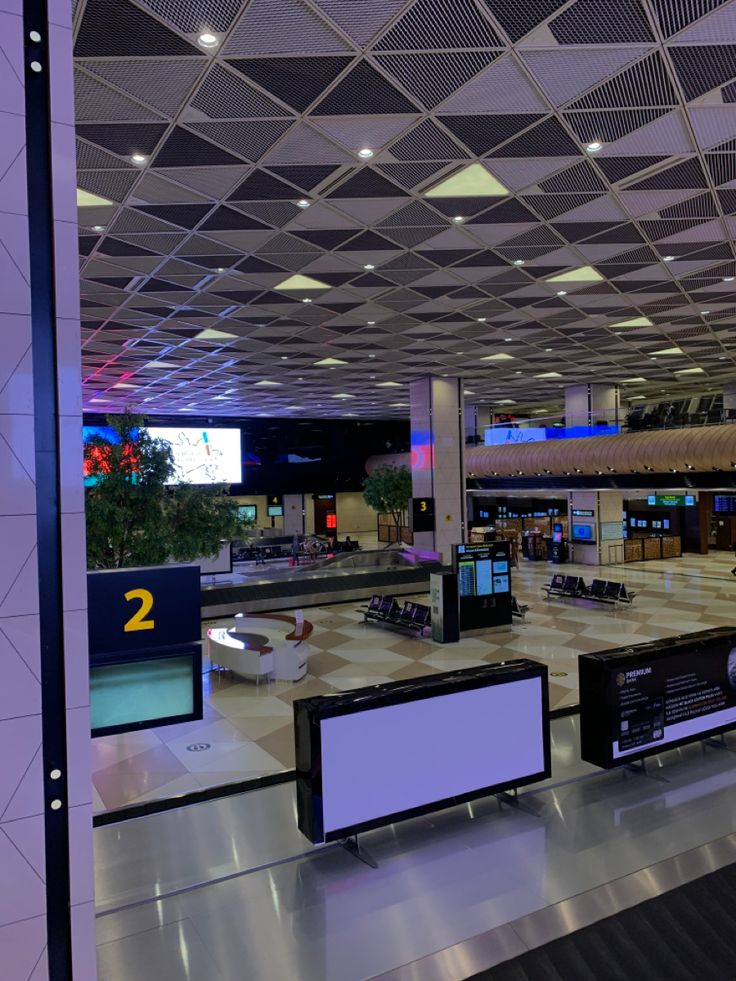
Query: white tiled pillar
column 587, row 405
column 607, row 522
column 293, row 514
column 438, row 459
column 25, row 797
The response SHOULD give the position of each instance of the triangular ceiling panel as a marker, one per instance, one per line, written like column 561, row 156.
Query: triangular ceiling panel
column 278, row 27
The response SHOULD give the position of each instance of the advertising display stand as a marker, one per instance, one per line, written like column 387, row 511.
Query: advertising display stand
column 445, row 607
column 639, row 701
column 484, row 584
column 373, row 756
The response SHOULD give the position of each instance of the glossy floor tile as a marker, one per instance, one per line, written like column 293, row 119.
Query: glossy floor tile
column 282, row 910
column 247, row 731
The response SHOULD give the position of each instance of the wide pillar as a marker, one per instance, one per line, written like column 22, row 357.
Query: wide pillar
column 47, row 927
column 729, row 401
column 602, row 512
column 293, row 514
column 438, row 459
column 592, row 404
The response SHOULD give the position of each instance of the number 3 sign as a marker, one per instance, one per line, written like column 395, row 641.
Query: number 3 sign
column 142, row 609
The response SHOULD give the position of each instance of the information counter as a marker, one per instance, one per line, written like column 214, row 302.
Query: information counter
column 652, row 547
column 638, row 701
column 376, row 755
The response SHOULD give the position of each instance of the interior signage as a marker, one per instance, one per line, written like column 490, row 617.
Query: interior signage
column 422, row 514
column 637, row 701
column 671, row 500
column 582, row 513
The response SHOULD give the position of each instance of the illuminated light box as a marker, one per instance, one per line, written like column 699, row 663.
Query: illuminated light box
column 372, row 756
column 203, row 456
column 641, row 700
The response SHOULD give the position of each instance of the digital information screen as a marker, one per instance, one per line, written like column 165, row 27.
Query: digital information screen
column 203, row 456
column 248, row 512
column 418, row 746
column 130, row 693
column 479, row 567
column 640, row 700
column 275, row 510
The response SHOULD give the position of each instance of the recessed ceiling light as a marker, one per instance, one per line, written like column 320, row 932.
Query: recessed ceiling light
column 562, row 292
column 371, row 355
column 389, row 385
column 343, row 395
column 633, row 398
column 498, row 357
column 632, row 381
column 303, row 203
column 398, row 405
column 161, row 364
column 728, row 279
column 124, row 385
column 549, row 374
column 305, row 299
column 139, row 158
column 668, row 258
column 519, row 262
column 547, row 350
column 505, row 402
column 220, row 269
column 369, row 266
column 704, row 313
column 266, row 383
column 98, row 228
column 583, row 274
column 207, row 40
column 366, row 153
column 508, row 339
column 329, row 361
column 371, row 323
column 458, row 219
column 594, row 147
column 284, row 357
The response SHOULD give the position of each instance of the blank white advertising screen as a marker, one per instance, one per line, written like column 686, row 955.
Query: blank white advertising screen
column 203, row 456
column 386, row 760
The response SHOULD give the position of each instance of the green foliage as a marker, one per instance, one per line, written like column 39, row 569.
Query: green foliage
column 134, row 519
column 388, row 490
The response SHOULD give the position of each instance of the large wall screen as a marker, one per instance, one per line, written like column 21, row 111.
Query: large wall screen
column 203, row 456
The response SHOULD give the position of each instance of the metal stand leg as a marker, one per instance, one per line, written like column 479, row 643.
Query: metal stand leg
column 353, row 848
column 640, row 768
column 718, row 742
column 527, row 805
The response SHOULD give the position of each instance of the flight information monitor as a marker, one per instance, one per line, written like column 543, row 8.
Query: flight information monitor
column 484, row 583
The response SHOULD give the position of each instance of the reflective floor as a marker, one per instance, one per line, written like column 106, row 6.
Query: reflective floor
column 244, row 896
column 247, row 731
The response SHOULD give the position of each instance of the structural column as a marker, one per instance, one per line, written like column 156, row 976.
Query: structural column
column 46, row 872
column 602, row 512
column 592, row 404
column 293, row 514
column 438, row 459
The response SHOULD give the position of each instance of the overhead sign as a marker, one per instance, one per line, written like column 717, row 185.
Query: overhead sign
column 422, row 514
column 582, row 513
column 671, row 500
column 507, row 435
column 140, row 609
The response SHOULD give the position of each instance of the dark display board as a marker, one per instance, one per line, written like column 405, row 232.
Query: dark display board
column 724, row 504
column 144, row 647
column 638, row 701
column 484, row 584
column 445, row 607
column 372, row 756
column 422, row 514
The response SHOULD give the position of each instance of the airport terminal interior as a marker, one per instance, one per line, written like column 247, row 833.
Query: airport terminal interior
column 368, row 441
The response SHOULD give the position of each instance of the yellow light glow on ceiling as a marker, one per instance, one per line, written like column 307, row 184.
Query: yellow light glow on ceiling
column 690, row 371
column 471, row 182
column 670, row 350
column 388, row 385
column 635, row 322
column 343, row 395
column 87, row 200
column 549, row 374
column 585, row 274
column 213, row 335
column 266, row 383
column 298, row 284
column 505, row 402
column 632, row 381
column 329, row 361
column 498, row 357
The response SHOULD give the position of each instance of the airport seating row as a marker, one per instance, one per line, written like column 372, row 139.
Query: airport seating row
column 386, row 609
column 600, row 590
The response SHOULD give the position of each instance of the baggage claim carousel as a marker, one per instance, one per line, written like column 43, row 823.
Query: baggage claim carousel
column 349, row 577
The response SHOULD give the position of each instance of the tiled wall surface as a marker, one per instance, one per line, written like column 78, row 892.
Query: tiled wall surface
column 22, row 861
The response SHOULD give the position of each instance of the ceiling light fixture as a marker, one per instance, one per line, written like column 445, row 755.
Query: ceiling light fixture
column 519, row 262
column 305, row 299
column 594, row 147
column 458, row 219
column 207, row 40
column 366, row 153
column 562, row 292
column 728, row 279
column 668, row 258
column 371, row 323
column 98, row 228
column 303, row 203
column 138, row 158
column 368, row 266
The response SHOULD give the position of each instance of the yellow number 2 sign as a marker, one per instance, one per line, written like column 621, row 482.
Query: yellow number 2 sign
column 138, row 620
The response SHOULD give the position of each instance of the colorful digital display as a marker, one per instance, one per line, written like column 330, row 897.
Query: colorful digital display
column 203, row 456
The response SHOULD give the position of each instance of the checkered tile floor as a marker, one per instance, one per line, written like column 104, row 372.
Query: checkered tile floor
column 247, row 732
